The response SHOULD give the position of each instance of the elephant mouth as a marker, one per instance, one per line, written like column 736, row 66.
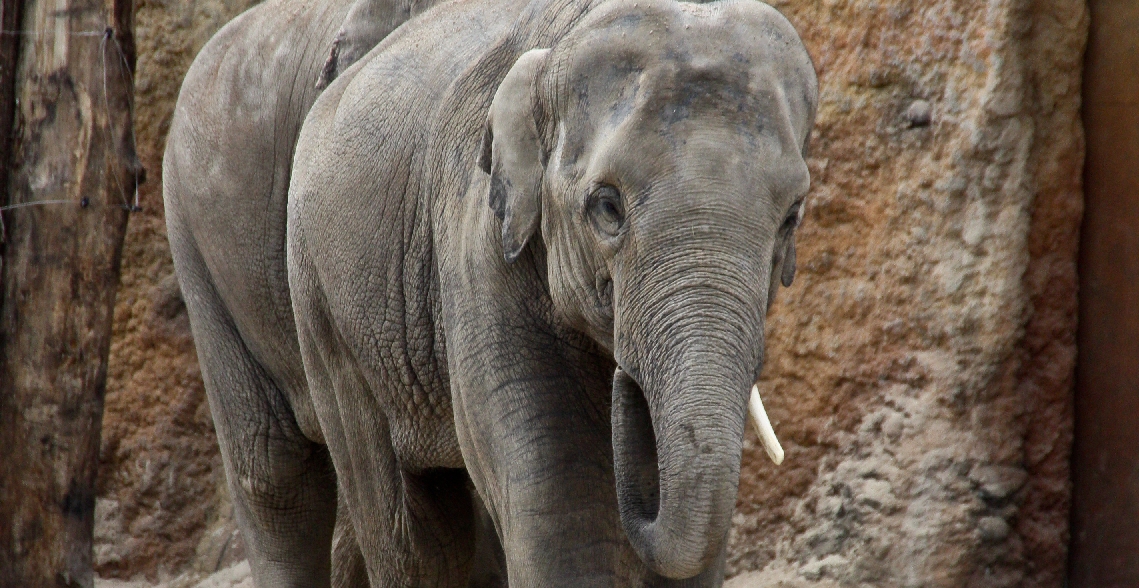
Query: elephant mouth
column 634, row 441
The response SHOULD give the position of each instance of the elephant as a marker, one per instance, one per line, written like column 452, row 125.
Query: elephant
column 529, row 247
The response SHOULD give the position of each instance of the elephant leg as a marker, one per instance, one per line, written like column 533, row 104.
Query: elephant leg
column 489, row 568
column 535, row 429
column 549, row 487
column 413, row 528
column 286, row 511
column 283, row 485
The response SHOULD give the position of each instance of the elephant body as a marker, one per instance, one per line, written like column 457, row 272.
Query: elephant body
column 516, row 303
column 225, row 178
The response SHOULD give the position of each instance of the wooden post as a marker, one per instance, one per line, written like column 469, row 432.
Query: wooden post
column 1105, row 494
column 10, row 11
column 71, row 178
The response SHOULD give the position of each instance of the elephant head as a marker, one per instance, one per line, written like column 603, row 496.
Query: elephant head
column 657, row 151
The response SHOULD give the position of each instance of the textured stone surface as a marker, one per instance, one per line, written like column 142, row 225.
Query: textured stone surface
column 919, row 369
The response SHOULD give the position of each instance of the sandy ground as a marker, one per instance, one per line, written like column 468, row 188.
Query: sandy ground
column 236, row 576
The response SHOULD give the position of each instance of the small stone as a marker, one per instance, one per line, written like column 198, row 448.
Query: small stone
column 997, row 482
column 109, row 537
column 893, row 426
column 993, row 529
column 829, row 565
column 876, row 493
column 108, row 519
column 831, row 507
column 919, row 114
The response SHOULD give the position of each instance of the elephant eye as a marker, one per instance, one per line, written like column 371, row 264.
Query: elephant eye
column 606, row 210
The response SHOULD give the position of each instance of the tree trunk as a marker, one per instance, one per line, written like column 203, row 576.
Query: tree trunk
column 10, row 11
column 71, row 150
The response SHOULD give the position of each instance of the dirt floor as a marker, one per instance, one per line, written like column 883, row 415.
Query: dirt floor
column 235, row 576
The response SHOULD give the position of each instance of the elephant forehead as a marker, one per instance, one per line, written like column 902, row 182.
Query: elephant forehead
column 737, row 60
column 742, row 30
column 667, row 105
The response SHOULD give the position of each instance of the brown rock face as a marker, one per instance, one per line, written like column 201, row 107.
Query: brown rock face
column 919, row 369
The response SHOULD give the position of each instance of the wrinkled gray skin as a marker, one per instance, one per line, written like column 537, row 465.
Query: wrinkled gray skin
column 530, row 248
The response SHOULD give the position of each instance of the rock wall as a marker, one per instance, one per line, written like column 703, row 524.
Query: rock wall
column 919, row 369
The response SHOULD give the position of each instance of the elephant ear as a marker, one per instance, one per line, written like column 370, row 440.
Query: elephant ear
column 513, row 156
column 788, row 274
column 365, row 25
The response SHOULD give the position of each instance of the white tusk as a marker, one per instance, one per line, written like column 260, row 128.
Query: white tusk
column 763, row 427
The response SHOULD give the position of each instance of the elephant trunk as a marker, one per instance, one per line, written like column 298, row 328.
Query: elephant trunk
column 678, row 424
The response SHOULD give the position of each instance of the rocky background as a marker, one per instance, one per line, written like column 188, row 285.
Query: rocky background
column 919, row 370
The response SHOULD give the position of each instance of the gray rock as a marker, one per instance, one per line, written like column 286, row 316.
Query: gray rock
column 831, row 565
column 919, row 114
column 993, row 528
